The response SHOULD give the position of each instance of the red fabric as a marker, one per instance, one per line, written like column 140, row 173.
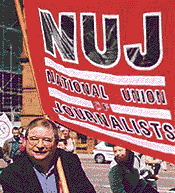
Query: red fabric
column 119, row 81
column 23, row 145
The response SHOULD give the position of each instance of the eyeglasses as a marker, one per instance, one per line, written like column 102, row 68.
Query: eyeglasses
column 34, row 141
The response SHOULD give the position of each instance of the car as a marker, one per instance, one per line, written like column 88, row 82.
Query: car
column 103, row 152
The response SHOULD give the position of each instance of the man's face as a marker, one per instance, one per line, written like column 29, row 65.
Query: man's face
column 40, row 143
column 15, row 132
column 61, row 145
column 66, row 133
column 120, row 153
column 20, row 130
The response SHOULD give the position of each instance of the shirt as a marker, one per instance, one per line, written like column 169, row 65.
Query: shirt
column 15, row 148
column 47, row 181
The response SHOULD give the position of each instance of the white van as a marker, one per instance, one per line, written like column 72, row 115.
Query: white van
column 103, row 152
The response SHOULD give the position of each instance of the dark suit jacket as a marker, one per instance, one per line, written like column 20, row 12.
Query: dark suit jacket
column 21, row 177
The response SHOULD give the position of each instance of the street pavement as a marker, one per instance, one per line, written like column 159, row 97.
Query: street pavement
column 85, row 156
column 98, row 175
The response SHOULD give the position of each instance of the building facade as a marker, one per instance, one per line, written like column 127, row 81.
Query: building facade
column 10, row 67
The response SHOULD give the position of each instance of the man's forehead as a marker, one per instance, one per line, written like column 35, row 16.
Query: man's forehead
column 41, row 131
column 118, row 148
column 60, row 143
column 15, row 131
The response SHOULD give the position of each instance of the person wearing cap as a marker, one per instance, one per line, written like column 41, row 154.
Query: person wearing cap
column 36, row 170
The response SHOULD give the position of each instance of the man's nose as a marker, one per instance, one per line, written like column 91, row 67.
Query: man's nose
column 40, row 143
column 118, row 153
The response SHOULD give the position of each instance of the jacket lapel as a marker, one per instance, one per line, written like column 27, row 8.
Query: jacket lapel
column 30, row 179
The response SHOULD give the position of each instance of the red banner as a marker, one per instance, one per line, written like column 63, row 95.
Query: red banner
column 105, row 69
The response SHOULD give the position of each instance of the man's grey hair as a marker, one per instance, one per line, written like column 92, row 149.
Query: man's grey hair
column 44, row 123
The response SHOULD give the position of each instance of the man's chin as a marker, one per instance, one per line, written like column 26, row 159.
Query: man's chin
column 40, row 156
column 120, row 159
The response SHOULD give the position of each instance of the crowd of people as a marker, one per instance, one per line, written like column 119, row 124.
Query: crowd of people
column 30, row 164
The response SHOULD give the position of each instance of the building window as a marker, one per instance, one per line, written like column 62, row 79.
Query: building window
column 11, row 92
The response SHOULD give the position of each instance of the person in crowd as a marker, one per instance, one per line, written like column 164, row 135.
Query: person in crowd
column 164, row 166
column 36, row 171
column 123, row 177
column 119, row 182
column 21, row 130
column 22, row 137
column 11, row 146
column 66, row 135
column 153, row 165
column 3, row 164
column 62, row 143
column 148, row 168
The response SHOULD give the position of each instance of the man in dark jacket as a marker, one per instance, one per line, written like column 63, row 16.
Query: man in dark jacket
column 123, row 177
column 36, row 169
column 11, row 146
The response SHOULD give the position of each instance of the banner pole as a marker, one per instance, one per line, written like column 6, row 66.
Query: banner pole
column 22, row 24
column 62, row 176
